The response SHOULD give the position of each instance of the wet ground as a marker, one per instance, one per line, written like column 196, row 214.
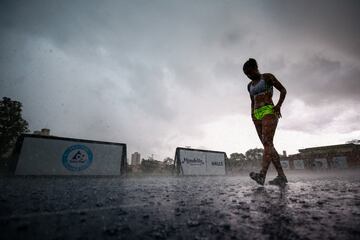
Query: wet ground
column 313, row 206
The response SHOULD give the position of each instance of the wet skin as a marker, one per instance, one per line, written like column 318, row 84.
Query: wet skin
column 266, row 127
column 265, row 98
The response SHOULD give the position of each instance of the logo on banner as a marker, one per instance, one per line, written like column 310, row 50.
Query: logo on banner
column 77, row 158
column 285, row 164
column 340, row 162
column 321, row 163
column 193, row 161
column 217, row 163
column 299, row 164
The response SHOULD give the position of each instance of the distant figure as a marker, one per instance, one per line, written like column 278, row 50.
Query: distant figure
column 265, row 117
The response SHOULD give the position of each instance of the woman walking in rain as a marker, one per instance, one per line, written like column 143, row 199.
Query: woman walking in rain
column 265, row 117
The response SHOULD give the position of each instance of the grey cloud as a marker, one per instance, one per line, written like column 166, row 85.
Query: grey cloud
column 332, row 118
column 319, row 80
column 228, row 69
column 334, row 21
column 149, row 91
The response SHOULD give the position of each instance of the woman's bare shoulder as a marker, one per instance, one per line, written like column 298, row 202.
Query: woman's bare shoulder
column 268, row 76
column 248, row 86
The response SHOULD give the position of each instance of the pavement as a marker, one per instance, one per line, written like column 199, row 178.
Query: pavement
column 314, row 205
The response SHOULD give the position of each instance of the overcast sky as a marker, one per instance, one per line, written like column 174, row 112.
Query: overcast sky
column 162, row 74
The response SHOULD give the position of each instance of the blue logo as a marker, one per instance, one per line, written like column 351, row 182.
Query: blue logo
column 77, row 158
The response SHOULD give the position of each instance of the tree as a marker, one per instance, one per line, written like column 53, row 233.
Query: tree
column 150, row 165
column 168, row 161
column 168, row 165
column 12, row 125
column 355, row 141
column 235, row 162
column 254, row 156
column 237, row 157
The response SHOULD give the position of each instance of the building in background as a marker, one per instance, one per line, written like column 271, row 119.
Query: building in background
column 135, row 158
column 43, row 132
column 339, row 156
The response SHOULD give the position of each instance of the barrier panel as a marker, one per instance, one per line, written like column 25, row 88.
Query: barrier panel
column 50, row 155
column 320, row 163
column 199, row 162
column 340, row 162
column 299, row 164
column 285, row 164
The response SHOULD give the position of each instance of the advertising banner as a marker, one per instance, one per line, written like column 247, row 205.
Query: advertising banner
column 321, row 163
column 299, row 164
column 285, row 164
column 200, row 162
column 65, row 156
column 340, row 162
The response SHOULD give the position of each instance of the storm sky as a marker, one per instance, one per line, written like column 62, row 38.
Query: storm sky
column 162, row 74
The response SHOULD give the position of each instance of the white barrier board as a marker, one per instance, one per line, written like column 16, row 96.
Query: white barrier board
column 196, row 162
column 299, row 164
column 63, row 156
column 340, row 162
column 321, row 163
column 285, row 164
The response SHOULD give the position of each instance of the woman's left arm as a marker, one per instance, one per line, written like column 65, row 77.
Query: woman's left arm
column 279, row 87
column 273, row 81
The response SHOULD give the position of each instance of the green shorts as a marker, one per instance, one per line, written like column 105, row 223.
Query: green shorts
column 260, row 112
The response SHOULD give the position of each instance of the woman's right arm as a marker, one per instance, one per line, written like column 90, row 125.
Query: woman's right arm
column 252, row 107
column 252, row 102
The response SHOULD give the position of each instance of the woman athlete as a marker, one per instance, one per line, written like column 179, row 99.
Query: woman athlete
column 265, row 117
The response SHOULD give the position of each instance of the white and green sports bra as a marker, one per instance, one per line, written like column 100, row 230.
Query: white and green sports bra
column 261, row 87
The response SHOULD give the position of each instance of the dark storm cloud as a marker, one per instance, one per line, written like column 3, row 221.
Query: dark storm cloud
column 319, row 80
column 227, row 69
column 333, row 21
column 150, row 93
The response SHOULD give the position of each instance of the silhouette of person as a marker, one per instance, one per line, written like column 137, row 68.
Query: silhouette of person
column 265, row 117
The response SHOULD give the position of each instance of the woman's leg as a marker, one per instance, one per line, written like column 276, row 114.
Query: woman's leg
column 269, row 124
column 259, row 178
column 258, row 126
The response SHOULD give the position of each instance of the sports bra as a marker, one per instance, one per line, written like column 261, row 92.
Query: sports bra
column 261, row 87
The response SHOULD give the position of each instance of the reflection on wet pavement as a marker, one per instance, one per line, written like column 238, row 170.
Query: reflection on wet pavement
column 311, row 206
